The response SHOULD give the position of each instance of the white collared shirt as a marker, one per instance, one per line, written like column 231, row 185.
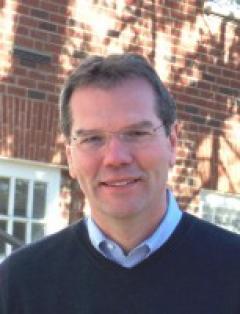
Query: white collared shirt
column 114, row 252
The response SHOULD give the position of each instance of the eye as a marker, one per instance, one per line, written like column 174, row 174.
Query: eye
column 91, row 139
column 137, row 134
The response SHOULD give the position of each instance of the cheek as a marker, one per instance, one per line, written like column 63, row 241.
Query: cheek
column 70, row 162
column 155, row 160
column 85, row 169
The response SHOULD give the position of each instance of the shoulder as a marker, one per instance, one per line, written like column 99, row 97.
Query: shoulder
column 42, row 266
column 208, row 229
column 44, row 253
column 211, row 239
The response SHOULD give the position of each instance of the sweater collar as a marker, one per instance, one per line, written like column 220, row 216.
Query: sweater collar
column 113, row 251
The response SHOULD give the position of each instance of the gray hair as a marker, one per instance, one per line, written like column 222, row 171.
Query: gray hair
column 107, row 72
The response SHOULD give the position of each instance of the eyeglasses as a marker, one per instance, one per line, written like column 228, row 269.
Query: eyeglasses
column 91, row 141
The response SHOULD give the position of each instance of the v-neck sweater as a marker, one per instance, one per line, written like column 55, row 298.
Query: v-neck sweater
column 196, row 271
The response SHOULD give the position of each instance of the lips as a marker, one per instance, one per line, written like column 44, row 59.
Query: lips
column 119, row 183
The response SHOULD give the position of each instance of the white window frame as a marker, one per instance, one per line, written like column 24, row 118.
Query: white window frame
column 218, row 202
column 40, row 173
column 228, row 8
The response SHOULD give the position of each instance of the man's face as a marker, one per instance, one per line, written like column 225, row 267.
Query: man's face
column 120, row 180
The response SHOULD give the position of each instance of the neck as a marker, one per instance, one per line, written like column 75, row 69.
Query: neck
column 128, row 237
column 129, row 232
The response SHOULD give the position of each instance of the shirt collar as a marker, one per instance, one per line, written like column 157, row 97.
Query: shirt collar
column 155, row 241
column 95, row 234
column 167, row 225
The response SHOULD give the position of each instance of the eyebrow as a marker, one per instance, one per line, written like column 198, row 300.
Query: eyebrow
column 141, row 124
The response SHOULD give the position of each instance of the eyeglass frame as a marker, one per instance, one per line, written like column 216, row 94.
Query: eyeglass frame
column 122, row 135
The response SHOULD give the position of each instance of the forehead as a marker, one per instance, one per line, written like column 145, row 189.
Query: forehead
column 128, row 102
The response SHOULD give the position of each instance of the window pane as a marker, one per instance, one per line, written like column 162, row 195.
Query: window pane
column 19, row 230
column 4, row 195
column 39, row 199
column 3, row 226
column 221, row 209
column 21, row 197
column 37, row 231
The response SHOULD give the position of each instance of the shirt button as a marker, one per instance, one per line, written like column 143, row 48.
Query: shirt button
column 110, row 246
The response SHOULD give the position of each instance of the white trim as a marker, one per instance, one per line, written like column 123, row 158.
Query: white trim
column 33, row 162
column 33, row 172
column 223, row 208
column 224, row 8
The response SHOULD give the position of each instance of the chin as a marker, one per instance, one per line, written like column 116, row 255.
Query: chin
column 121, row 208
column 121, row 211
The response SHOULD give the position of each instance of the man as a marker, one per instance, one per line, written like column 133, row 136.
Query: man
column 137, row 252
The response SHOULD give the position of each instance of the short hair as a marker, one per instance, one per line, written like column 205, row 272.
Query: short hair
column 107, row 72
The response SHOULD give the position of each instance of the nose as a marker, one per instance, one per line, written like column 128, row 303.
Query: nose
column 117, row 153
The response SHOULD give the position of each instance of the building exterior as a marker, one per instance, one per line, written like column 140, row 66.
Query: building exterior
column 194, row 45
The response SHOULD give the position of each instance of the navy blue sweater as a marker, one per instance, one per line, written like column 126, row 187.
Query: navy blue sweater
column 196, row 272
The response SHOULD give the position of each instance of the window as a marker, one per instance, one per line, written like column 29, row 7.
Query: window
column 221, row 209
column 28, row 202
column 223, row 7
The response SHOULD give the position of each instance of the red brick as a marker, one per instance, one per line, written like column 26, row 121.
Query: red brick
column 214, row 70
column 16, row 112
column 26, row 82
column 52, row 47
column 49, row 6
column 22, row 8
column 9, row 79
column 24, row 41
column 31, row 3
column 46, row 86
column 2, row 88
column 38, row 45
column 223, row 81
column 28, row 115
column 36, row 75
column 27, row 21
column 22, row 30
column 229, row 74
column 39, row 34
column 20, row 71
column 61, row 29
column 235, row 84
column 59, row 19
column 56, row 39
column 173, row 4
column 14, row 90
column 52, row 98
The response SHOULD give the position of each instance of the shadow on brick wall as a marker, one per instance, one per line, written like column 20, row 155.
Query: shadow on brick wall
column 209, row 111
column 202, row 69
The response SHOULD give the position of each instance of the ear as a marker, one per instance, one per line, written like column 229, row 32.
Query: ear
column 70, row 161
column 173, row 136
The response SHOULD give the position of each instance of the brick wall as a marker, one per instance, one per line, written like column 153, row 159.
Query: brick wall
column 196, row 54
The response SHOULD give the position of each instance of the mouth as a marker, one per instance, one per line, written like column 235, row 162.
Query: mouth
column 119, row 183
